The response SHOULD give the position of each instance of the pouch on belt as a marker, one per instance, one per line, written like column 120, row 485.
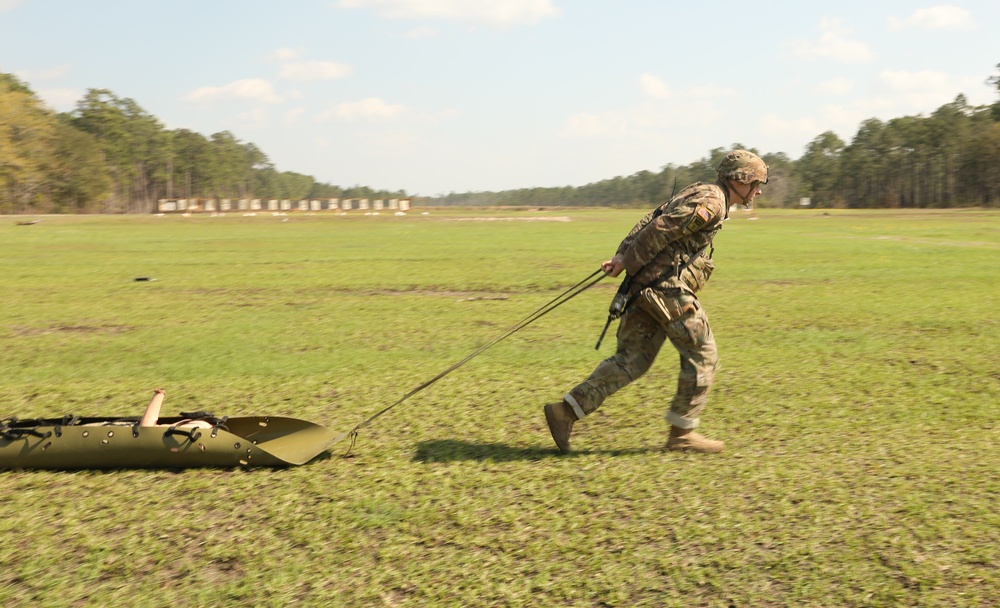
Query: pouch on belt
column 666, row 307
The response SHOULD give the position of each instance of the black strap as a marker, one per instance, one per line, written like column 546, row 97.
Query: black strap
column 191, row 434
column 16, row 433
column 200, row 415
column 220, row 424
column 67, row 420
column 216, row 422
column 691, row 260
column 12, row 428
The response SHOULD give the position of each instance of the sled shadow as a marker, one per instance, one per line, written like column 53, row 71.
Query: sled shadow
column 451, row 450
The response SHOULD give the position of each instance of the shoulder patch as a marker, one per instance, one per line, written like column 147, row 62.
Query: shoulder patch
column 698, row 219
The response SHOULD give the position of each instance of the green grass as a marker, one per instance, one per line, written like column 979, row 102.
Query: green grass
column 858, row 400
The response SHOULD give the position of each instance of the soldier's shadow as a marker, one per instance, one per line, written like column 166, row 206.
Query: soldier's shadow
column 451, row 450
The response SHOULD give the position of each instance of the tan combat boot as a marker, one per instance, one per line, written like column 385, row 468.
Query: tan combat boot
column 560, row 420
column 688, row 440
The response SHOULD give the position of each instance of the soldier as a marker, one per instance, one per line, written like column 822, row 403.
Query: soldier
column 668, row 256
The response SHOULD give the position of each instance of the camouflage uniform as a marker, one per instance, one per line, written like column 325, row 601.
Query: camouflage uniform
column 668, row 254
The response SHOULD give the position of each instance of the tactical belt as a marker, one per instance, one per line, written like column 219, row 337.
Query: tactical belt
column 625, row 296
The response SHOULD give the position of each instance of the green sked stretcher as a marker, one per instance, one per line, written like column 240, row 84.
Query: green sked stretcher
column 181, row 442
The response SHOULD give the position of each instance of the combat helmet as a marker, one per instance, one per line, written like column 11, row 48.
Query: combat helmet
column 743, row 166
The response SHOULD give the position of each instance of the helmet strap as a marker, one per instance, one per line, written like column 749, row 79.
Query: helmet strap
column 723, row 184
column 743, row 199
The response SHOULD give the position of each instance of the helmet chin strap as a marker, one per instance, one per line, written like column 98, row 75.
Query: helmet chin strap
column 743, row 199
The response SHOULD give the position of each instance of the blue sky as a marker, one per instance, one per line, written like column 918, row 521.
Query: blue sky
column 435, row 96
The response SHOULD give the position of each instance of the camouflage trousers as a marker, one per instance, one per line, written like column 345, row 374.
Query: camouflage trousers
column 650, row 320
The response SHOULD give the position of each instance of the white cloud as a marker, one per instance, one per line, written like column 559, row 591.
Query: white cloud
column 923, row 91
column 384, row 143
column 252, row 119
column 498, row 13
column 976, row 90
column 7, row 5
column 444, row 115
column 62, row 99
column 897, row 93
column 835, row 86
column 915, row 81
column 656, row 88
column 285, row 54
column 938, row 17
column 255, row 89
column 684, row 108
column 292, row 116
column 843, row 120
column 846, row 118
column 833, row 44
column 421, row 32
column 371, row 108
column 652, row 86
column 593, row 125
column 802, row 126
column 910, row 97
column 54, row 73
column 315, row 70
column 710, row 91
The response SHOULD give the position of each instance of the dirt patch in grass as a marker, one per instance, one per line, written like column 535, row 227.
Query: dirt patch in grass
column 21, row 330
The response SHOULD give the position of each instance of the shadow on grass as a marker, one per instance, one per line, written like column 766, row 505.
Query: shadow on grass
column 450, row 450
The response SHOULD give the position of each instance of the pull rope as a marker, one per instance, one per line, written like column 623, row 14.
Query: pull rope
column 559, row 300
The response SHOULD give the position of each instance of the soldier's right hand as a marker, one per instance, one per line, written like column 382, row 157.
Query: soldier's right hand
column 614, row 266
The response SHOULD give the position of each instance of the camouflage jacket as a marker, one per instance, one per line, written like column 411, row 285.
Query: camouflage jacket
column 659, row 245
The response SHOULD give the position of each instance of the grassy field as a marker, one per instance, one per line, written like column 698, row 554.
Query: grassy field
column 858, row 398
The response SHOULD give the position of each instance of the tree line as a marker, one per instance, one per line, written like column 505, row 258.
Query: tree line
column 645, row 188
column 110, row 156
column 950, row 158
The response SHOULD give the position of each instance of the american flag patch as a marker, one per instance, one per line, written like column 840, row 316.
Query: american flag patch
column 698, row 219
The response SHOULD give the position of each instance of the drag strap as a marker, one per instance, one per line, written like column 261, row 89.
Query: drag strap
column 559, row 300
